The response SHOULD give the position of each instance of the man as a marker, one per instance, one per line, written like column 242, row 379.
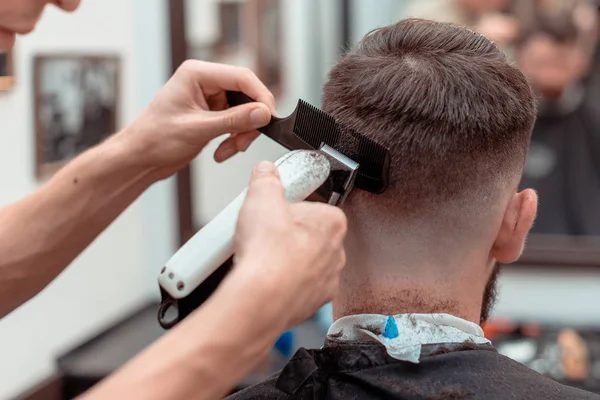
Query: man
column 423, row 256
column 287, row 257
column 562, row 164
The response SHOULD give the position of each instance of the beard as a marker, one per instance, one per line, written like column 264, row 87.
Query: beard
column 490, row 294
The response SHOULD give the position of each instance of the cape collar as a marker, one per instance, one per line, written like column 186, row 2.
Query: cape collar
column 403, row 335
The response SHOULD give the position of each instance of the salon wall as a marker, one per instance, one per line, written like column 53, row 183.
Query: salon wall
column 117, row 273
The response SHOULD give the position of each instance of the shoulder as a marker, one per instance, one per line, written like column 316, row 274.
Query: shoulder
column 504, row 375
column 265, row 390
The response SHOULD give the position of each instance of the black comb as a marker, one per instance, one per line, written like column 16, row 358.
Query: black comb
column 308, row 128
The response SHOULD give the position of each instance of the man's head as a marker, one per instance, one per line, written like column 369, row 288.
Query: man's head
column 457, row 118
column 21, row 16
column 554, row 54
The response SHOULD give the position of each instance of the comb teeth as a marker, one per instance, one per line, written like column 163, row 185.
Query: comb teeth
column 315, row 127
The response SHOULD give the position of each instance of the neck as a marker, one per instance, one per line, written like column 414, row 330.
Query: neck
column 362, row 292
column 398, row 266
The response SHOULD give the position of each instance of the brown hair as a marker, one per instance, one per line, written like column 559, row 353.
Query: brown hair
column 456, row 116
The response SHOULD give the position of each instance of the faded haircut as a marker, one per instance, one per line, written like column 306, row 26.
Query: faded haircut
column 455, row 114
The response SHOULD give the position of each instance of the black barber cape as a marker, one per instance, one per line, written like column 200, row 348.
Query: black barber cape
column 364, row 370
column 563, row 165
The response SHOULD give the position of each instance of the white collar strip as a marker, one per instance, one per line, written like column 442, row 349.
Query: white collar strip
column 403, row 335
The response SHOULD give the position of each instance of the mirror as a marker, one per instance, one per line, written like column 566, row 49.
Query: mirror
column 555, row 44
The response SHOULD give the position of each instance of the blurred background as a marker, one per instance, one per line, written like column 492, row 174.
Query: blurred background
column 80, row 77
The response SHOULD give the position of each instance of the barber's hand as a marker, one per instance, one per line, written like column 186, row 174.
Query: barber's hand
column 192, row 109
column 292, row 252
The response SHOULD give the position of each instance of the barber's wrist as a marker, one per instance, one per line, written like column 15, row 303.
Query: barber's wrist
column 131, row 155
column 241, row 326
column 262, row 299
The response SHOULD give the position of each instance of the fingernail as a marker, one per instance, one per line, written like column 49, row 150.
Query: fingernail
column 265, row 166
column 259, row 117
column 227, row 151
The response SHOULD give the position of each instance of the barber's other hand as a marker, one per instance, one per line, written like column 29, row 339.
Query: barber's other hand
column 292, row 253
column 192, row 109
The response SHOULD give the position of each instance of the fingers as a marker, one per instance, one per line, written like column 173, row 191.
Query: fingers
column 323, row 217
column 211, row 81
column 246, row 117
column 244, row 140
column 238, row 142
column 328, row 226
column 217, row 102
column 226, row 149
column 215, row 77
column 298, row 246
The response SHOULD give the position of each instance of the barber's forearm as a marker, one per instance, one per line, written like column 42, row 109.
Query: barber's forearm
column 42, row 233
column 207, row 353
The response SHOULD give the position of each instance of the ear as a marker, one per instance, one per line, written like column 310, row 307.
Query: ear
column 517, row 221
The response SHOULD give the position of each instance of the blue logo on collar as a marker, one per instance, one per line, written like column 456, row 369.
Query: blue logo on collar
column 391, row 329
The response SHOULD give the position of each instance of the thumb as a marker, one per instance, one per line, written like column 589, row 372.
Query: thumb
column 243, row 118
column 265, row 181
column 265, row 191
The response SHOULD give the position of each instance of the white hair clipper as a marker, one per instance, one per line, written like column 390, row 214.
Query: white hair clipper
column 195, row 271
column 314, row 170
